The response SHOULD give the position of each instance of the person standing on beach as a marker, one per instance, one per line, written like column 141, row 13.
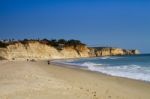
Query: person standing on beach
column 48, row 62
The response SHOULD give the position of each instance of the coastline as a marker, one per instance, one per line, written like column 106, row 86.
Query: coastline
column 99, row 73
column 21, row 79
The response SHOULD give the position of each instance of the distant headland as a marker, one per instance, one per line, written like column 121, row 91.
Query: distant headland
column 55, row 49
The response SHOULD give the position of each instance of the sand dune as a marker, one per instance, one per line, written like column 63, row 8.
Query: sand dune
column 37, row 80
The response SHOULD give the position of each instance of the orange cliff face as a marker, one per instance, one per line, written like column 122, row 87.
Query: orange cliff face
column 37, row 50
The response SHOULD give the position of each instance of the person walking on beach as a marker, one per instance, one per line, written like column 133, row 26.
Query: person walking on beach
column 48, row 62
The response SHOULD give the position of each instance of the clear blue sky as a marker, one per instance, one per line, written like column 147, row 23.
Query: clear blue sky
column 116, row 23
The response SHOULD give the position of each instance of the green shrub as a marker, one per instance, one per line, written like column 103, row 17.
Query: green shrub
column 3, row 45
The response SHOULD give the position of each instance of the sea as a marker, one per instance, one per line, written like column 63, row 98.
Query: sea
column 133, row 67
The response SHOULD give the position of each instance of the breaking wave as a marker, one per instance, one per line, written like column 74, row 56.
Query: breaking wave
column 128, row 71
column 133, row 67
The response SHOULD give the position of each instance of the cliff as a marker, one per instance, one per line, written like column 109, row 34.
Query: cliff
column 109, row 51
column 38, row 50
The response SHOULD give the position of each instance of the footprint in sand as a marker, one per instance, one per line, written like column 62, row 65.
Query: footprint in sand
column 109, row 97
column 94, row 95
column 107, row 91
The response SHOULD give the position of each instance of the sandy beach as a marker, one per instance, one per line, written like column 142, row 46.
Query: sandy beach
column 38, row 80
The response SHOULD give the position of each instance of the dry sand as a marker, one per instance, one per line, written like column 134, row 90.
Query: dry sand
column 37, row 80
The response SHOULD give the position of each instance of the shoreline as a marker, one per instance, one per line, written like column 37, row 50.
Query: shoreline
column 84, row 68
column 37, row 80
column 96, row 72
column 126, row 82
column 54, row 62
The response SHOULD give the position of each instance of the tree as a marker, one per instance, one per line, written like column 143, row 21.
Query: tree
column 62, row 41
column 73, row 42
column 53, row 42
column 4, row 45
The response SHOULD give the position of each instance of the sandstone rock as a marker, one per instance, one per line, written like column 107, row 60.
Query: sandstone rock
column 37, row 50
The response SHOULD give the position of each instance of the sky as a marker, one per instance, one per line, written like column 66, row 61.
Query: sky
column 115, row 23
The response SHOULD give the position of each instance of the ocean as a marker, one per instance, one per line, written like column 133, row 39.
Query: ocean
column 133, row 67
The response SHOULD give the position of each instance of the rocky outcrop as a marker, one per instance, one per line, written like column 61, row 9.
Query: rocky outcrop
column 37, row 50
column 109, row 51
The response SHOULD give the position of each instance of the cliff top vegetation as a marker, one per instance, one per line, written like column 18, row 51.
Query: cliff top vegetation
column 52, row 42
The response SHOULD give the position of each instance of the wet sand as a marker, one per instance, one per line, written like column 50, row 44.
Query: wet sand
column 38, row 80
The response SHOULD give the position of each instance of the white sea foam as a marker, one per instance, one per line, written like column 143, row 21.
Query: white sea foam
column 107, row 57
column 130, row 67
column 128, row 71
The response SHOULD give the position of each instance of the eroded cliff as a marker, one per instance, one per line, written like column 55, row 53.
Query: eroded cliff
column 38, row 50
